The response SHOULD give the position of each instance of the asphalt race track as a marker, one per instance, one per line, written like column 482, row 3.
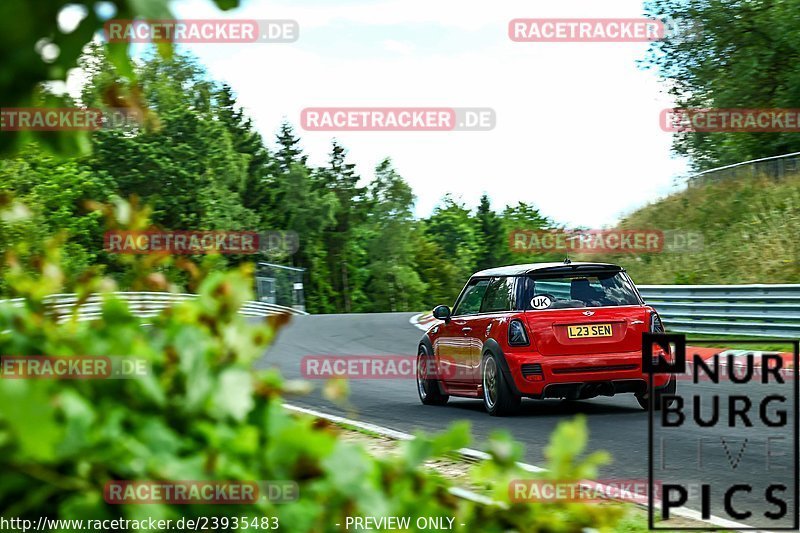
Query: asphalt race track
column 616, row 424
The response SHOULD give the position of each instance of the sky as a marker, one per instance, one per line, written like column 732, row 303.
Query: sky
column 577, row 132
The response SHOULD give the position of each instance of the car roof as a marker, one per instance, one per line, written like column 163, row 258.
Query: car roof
column 530, row 268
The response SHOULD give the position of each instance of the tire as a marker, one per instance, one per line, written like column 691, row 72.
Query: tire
column 429, row 390
column 669, row 388
column 498, row 397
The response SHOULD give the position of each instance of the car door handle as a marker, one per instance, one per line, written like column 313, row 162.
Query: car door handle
column 466, row 329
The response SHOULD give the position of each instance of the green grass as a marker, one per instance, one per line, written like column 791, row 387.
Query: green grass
column 761, row 345
column 750, row 229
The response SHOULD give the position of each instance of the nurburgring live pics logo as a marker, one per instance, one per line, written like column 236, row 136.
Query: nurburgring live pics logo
column 735, row 429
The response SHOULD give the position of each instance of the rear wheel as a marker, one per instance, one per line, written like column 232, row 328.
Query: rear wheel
column 669, row 389
column 429, row 389
column 498, row 397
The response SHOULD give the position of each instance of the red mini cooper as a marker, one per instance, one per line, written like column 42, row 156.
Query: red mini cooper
column 542, row 330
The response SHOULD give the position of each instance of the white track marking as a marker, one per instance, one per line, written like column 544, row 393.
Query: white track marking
column 472, row 454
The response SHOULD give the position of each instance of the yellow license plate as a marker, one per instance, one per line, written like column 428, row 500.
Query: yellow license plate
column 591, row 330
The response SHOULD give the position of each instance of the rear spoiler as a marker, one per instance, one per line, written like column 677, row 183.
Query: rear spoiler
column 569, row 270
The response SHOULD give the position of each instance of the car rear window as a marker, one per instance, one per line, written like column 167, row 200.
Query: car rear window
column 581, row 290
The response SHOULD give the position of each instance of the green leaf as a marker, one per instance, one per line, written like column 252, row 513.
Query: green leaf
column 28, row 410
column 118, row 55
column 424, row 447
column 233, row 394
column 150, row 9
column 80, row 418
column 226, row 5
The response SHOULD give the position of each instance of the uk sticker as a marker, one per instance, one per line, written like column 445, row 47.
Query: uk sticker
column 723, row 442
column 541, row 302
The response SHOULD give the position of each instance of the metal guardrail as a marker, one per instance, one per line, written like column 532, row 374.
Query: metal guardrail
column 749, row 310
column 144, row 305
column 776, row 167
column 746, row 310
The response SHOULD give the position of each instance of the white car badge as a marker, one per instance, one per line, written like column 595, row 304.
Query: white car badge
column 588, row 313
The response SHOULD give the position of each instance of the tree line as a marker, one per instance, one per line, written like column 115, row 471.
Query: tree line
column 198, row 163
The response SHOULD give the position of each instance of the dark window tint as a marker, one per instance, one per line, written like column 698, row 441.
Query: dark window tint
column 581, row 290
column 499, row 296
column 470, row 301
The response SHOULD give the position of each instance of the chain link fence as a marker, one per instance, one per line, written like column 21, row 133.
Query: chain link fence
column 280, row 285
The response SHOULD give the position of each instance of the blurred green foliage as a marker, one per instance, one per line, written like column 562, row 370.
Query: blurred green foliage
column 40, row 45
column 202, row 413
column 566, row 464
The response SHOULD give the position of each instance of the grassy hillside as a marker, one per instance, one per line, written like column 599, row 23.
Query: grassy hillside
column 751, row 230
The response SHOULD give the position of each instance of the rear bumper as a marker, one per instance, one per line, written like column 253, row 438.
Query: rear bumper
column 580, row 376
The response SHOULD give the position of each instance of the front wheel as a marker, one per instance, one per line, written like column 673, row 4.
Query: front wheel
column 669, row 389
column 429, row 390
column 498, row 397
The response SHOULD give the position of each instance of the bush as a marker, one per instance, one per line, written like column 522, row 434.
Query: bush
column 203, row 413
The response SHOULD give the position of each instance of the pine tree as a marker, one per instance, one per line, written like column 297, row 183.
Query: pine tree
column 289, row 150
column 340, row 178
column 255, row 191
column 494, row 246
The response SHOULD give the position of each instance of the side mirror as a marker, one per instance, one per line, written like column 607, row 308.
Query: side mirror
column 442, row 312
